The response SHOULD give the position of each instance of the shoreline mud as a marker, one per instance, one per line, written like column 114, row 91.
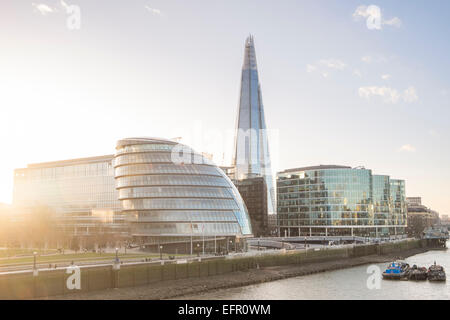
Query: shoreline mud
column 178, row 289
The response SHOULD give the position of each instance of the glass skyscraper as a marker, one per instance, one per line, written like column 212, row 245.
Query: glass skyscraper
column 339, row 200
column 173, row 195
column 251, row 154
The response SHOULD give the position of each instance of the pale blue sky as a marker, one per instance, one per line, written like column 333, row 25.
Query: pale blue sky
column 337, row 92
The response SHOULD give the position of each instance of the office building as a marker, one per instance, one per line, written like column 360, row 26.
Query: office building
column 339, row 200
column 80, row 192
column 254, row 193
column 420, row 217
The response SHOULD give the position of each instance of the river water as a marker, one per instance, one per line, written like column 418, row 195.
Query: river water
column 345, row 284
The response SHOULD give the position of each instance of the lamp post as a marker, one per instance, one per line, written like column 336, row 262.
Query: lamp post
column 117, row 255
column 35, row 270
column 34, row 260
column 203, row 234
column 191, row 237
column 198, row 249
column 231, row 244
column 160, row 252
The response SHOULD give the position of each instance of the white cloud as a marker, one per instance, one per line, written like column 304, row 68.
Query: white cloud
column 333, row 63
column 385, row 76
column 407, row 148
column 410, row 95
column 43, row 8
column 154, row 11
column 395, row 22
column 360, row 12
column 377, row 58
column 64, row 5
column 389, row 95
column 323, row 66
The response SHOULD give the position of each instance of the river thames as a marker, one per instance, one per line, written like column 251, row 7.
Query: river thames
column 344, row 284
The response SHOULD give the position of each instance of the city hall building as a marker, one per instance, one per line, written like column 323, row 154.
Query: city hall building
column 331, row 200
column 174, row 196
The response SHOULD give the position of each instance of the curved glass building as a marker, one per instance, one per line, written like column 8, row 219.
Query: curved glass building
column 171, row 194
column 338, row 201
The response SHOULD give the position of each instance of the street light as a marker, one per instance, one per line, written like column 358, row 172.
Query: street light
column 34, row 260
column 198, row 249
column 117, row 255
column 160, row 252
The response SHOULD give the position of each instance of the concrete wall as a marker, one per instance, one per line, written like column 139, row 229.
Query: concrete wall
column 23, row 285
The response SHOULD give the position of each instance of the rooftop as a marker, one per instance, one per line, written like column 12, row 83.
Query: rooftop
column 143, row 140
column 319, row 167
column 62, row 163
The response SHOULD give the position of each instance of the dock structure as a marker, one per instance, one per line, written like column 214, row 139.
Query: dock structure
column 436, row 236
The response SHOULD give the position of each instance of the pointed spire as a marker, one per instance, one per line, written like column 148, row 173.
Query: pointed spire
column 251, row 156
column 250, row 54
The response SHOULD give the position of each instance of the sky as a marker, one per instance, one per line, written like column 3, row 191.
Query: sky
column 343, row 82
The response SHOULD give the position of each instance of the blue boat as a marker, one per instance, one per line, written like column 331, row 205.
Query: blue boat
column 396, row 270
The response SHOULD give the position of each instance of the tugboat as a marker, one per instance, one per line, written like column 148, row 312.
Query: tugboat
column 396, row 270
column 417, row 273
column 436, row 273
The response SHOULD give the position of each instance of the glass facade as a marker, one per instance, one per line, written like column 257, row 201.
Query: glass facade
column 254, row 193
column 166, row 200
column 80, row 191
column 398, row 203
column 251, row 154
column 338, row 200
column 382, row 202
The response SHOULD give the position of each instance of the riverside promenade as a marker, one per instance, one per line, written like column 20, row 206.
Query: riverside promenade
column 178, row 277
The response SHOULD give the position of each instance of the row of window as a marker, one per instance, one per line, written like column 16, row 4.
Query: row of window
column 184, row 215
column 341, row 222
column 194, row 192
column 193, row 204
column 161, row 157
column 161, row 180
column 137, row 169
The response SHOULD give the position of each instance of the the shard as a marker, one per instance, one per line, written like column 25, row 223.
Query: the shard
column 251, row 154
